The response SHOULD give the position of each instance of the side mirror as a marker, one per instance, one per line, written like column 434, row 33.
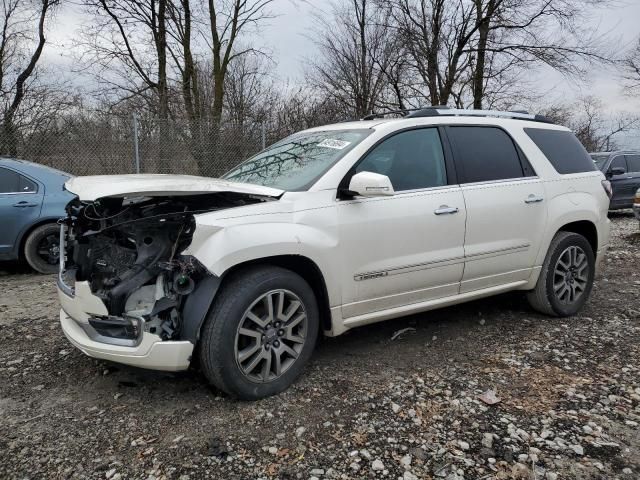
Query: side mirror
column 369, row 184
column 616, row 171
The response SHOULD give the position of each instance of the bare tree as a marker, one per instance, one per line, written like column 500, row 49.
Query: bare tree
column 357, row 61
column 125, row 46
column 593, row 126
column 221, row 24
column 22, row 40
column 529, row 32
column 457, row 48
column 227, row 21
column 631, row 73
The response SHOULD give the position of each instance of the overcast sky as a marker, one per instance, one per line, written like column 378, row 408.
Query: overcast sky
column 289, row 34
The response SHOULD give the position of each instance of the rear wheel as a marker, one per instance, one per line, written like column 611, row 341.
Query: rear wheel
column 566, row 278
column 42, row 248
column 260, row 333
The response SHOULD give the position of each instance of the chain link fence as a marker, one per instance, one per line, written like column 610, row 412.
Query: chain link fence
column 120, row 145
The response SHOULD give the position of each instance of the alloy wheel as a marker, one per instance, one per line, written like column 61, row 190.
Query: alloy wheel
column 571, row 275
column 271, row 335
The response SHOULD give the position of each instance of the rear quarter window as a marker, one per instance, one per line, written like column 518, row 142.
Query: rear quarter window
column 563, row 150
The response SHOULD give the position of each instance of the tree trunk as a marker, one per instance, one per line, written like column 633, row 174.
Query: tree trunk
column 478, row 72
column 164, row 141
column 8, row 133
column 8, row 137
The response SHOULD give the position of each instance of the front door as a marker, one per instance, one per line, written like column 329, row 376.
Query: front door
column 407, row 248
column 506, row 207
column 633, row 177
column 20, row 203
column 621, row 184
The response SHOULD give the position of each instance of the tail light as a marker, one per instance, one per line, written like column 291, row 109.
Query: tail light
column 606, row 184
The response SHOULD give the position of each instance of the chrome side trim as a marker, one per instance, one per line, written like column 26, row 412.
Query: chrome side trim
column 19, row 193
column 439, row 263
column 408, row 268
column 500, row 251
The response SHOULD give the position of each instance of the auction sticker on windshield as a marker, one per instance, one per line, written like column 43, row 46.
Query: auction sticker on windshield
column 337, row 144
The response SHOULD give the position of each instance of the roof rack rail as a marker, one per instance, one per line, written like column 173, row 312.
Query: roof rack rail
column 405, row 112
column 454, row 112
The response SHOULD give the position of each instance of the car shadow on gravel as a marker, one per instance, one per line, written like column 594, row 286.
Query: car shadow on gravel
column 15, row 268
column 434, row 336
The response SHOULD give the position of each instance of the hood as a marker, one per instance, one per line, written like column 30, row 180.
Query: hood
column 94, row 187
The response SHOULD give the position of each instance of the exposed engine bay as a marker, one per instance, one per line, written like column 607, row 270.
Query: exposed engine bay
column 129, row 250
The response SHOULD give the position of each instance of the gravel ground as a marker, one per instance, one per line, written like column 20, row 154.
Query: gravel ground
column 367, row 407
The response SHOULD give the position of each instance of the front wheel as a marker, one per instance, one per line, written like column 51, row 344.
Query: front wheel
column 260, row 333
column 566, row 278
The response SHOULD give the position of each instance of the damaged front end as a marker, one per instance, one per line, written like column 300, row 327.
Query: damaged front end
column 123, row 275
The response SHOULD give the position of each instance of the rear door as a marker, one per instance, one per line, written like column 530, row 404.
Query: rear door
column 506, row 208
column 622, row 185
column 20, row 204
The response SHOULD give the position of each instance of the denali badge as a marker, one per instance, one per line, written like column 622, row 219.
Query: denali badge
column 369, row 276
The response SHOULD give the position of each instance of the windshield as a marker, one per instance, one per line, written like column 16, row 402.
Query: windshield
column 599, row 160
column 296, row 162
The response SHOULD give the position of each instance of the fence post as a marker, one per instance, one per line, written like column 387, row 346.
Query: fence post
column 264, row 135
column 135, row 142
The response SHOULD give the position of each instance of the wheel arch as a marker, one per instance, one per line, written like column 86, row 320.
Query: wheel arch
column 307, row 269
column 585, row 228
column 201, row 300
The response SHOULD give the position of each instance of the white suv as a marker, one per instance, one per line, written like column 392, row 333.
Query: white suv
column 330, row 229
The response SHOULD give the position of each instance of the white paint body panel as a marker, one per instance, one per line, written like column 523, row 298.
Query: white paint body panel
column 503, row 233
column 151, row 352
column 410, row 254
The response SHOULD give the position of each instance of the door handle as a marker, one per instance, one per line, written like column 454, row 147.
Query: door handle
column 445, row 210
column 24, row 204
column 533, row 199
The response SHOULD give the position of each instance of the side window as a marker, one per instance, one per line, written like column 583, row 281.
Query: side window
column 619, row 162
column 413, row 159
column 27, row 186
column 485, row 154
column 633, row 161
column 9, row 181
column 562, row 149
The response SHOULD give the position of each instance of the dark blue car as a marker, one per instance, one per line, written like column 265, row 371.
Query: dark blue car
column 32, row 200
column 622, row 169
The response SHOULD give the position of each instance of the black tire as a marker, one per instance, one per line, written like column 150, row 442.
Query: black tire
column 45, row 237
column 219, row 348
column 544, row 297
